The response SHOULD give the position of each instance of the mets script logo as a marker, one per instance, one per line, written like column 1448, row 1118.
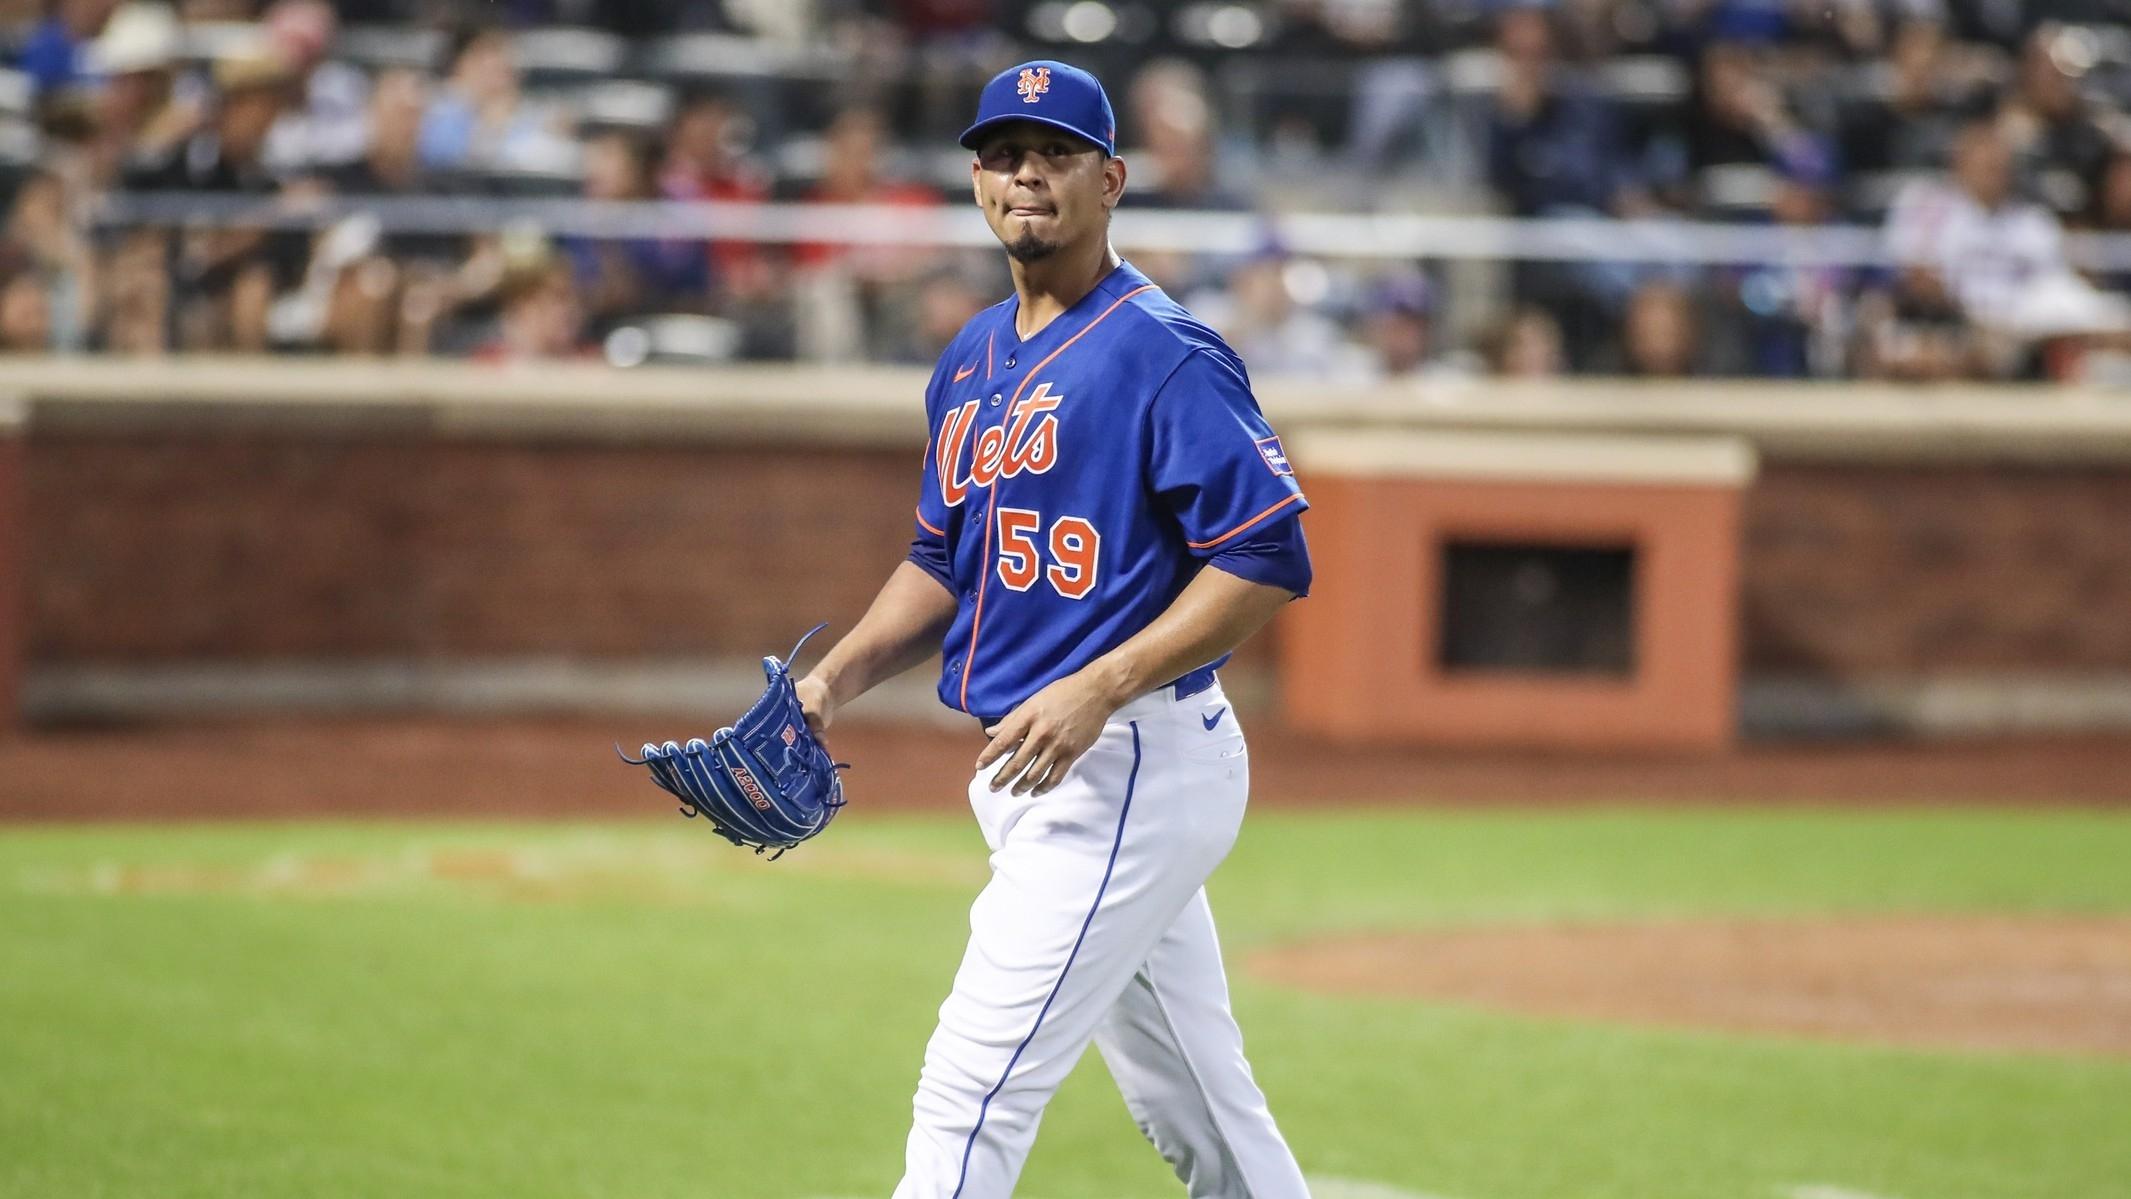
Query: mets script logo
column 750, row 788
column 1034, row 82
column 1026, row 441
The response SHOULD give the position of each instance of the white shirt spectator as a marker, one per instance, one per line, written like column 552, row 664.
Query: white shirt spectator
column 1988, row 257
column 331, row 128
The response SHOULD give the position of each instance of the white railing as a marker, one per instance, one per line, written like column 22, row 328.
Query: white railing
column 1327, row 235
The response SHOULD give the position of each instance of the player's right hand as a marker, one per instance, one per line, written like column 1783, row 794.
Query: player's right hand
column 816, row 702
column 1047, row 734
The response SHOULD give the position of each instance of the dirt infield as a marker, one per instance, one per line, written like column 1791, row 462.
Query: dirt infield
column 2058, row 985
column 556, row 767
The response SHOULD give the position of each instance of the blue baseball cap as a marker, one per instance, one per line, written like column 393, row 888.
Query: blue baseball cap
column 1049, row 93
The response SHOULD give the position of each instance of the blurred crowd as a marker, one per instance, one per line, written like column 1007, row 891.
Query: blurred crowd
column 1973, row 134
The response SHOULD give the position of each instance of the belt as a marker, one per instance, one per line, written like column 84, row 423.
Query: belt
column 1184, row 688
column 1193, row 683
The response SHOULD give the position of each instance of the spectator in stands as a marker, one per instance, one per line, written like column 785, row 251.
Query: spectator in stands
column 2057, row 138
column 1553, row 144
column 326, row 125
column 391, row 161
column 228, row 277
column 1171, row 122
column 449, row 307
column 346, row 299
column 940, row 46
column 1399, row 326
column 1979, row 273
column 1660, row 336
column 138, row 294
column 2109, row 209
column 251, row 91
column 141, row 118
column 1275, row 331
column 949, row 299
column 1401, row 309
column 53, row 55
column 1740, row 116
column 852, row 149
column 852, row 301
column 1791, row 317
column 626, row 276
column 1173, row 117
column 705, row 159
column 1982, row 279
column 383, row 296
column 1968, row 241
column 481, row 120
column 47, row 250
column 706, row 155
column 541, row 317
column 1526, row 344
column 1914, row 102
column 25, row 312
column 408, row 275
column 1554, row 150
column 1394, row 46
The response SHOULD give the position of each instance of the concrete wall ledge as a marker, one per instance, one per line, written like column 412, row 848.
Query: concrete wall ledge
column 881, row 406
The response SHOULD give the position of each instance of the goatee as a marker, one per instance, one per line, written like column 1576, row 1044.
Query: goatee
column 1030, row 248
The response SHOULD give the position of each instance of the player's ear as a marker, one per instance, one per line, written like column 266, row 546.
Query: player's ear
column 976, row 180
column 1113, row 181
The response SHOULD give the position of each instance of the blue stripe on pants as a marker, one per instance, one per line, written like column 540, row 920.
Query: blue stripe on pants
column 1116, row 844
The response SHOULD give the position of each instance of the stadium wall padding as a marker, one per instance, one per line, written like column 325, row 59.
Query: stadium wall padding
column 257, row 546
column 239, row 514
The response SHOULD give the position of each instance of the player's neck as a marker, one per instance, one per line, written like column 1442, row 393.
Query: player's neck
column 1049, row 286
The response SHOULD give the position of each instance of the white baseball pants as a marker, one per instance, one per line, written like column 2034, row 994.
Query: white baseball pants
column 1095, row 927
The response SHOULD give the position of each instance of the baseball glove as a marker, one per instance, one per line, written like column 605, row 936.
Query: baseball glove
column 764, row 781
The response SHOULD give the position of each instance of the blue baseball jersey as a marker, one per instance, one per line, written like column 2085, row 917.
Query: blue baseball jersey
column 1076, row 481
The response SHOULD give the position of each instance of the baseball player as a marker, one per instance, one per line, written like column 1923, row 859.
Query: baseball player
column 1104, row 514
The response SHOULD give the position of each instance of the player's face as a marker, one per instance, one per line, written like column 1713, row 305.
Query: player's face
column 1043, row 189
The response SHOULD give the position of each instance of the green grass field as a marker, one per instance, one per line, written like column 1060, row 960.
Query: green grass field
column 636, row 1011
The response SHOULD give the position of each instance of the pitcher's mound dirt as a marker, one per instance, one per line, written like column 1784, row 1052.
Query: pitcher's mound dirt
column 2044, row 984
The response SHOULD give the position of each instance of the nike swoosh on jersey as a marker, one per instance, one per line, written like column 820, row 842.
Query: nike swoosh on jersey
column 965, row 372
column 1210, row 721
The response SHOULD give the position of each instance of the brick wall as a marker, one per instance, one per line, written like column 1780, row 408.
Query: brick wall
column 254, row 547
column 259, row 546
column 1908, row 571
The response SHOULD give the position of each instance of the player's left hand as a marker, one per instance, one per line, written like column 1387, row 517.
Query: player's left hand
column 1047, row 734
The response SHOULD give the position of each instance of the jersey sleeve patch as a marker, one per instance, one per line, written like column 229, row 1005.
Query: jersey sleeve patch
column 1275, row 457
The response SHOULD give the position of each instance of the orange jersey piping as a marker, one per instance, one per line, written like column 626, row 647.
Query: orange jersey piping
column 976, row 621
column 1204, row 545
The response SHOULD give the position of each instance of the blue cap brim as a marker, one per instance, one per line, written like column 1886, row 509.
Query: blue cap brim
column 971, row 135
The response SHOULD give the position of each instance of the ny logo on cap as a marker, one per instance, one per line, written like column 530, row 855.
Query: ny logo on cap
column 1035, row 81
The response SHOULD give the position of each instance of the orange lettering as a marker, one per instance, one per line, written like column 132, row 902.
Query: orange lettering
column 948, row 453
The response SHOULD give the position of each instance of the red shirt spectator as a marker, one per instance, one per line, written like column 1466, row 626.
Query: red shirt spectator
column 851, row 175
